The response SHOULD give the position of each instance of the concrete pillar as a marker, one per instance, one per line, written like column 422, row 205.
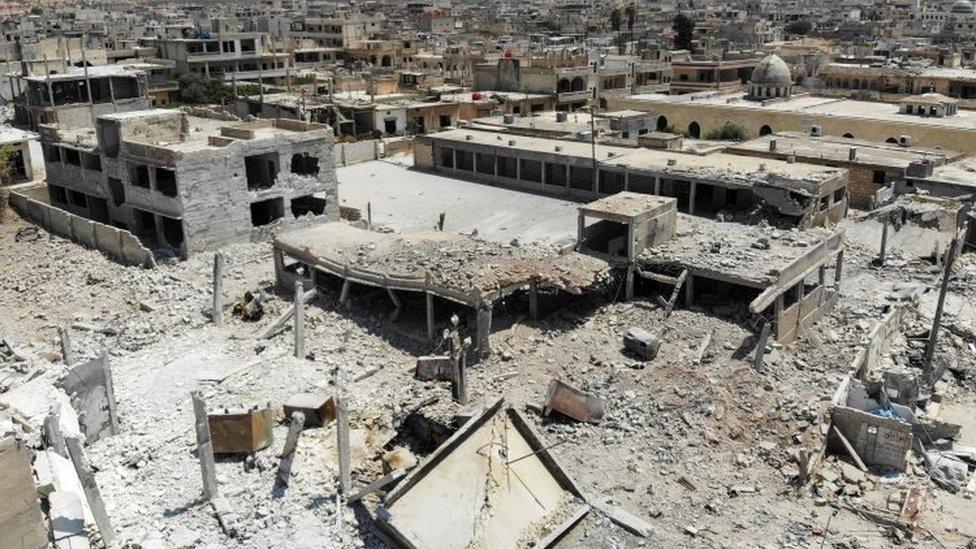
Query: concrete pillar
column 217, row 314
column 630, row 282
column 454, row 167
column 342, row 444
column 838, row 268
column 430, row 316
column 291, row 443
column 299, row 318
column 692, row 195
column 67, row 354
column 474, row 162
column 544, row 170
column 344, row 294
column 279, row 267
column 484, row 328
column 884, row 244
column 88, row 485
column 580, row 228
column 206, row 69
column 204, row 447
column 518, row 170
column 657, row 185
column 111, row 90
column 689, row 290
column 626, row 180
column 496, row 168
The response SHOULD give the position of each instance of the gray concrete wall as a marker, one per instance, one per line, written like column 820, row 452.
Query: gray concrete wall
column 120, row 245
column 89, row 387
column 22, row 525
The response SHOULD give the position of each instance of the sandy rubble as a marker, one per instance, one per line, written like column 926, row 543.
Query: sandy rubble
column 705, row 452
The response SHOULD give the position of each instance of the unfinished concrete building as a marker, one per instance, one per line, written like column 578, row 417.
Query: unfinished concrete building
column 789, row 280
column 77, row 97
column 799, row 194
column 193, row 183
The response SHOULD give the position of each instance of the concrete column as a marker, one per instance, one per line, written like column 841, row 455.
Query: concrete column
column 342, row 444
column 206, row 69
column 430, row 316
column 299, row 318
column 496, row 168
column 484, row 328
column 580, row 227
column 67, row 354
column 518, row 170
column 544, row 170
column 88, row 485
column 657, row 185
column 626, row 180
column 204, row 447
column 279, row 267
column 474, row 162
column 291, row 443
column 344, row 294
column 454, row 160
column 217, row 314
column 111, row 90
column 884, row 243
column 838, row 268
column 692, row 195
column 689, row 290
column 630, row 282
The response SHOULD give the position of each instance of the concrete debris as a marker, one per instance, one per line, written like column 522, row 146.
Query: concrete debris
column 240, row 431
column 250, row 308
column 318, row 409
column 571, row 402
column 435, row 368
column 642, row 343
column 399, row 458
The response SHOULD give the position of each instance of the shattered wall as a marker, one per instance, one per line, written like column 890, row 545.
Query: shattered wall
column 89, row 387
column 21, row 522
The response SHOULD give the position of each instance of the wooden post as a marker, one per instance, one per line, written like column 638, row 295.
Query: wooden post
column 937, row 321
column 218, row 289
column 87, row 477
column 342, row 444
column 291, row 443
column 205, row 447
column 299, row 317
column 67, row 354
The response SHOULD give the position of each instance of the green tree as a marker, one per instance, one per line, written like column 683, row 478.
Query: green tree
column 616, row 20
column 8, row 155
column 684, row 29
column 631, row 12
column 730, row 131
column 194, row 89
column 800, row 27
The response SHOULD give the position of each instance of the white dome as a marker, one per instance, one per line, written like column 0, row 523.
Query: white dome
column 962, row 6
column 772, row 70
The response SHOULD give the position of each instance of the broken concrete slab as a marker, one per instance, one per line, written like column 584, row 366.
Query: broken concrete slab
column 498, row 461
column 55, row 473
column 89, row 386
column 642, row 343
column 435, row 368
column 318, row 408
column 571, row 402
column 68, row 520
column 21, row 522
column 377, row 484
column 240, row 431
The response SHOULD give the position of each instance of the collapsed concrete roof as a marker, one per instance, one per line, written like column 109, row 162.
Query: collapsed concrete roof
column 492, row 484
column 452, row 266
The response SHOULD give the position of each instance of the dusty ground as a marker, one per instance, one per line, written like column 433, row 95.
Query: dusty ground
column 677, row 438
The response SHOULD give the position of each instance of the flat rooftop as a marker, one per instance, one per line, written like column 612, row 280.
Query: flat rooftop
column 961, row 173
column 545, row 122
column 814, row 105
column 837, row 149
column 749, row 255
column 95, row 71
column 456, row 267
column 734, row 169
column 406, row 200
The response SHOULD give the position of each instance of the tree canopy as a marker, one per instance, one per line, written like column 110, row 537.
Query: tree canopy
column 684, row 29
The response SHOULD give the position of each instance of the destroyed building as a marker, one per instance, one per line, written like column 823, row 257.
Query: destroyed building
column 193, row 181
column 76, row 97
column 799, row 194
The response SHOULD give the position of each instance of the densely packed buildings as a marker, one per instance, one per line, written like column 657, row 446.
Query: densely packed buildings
column 555, row 273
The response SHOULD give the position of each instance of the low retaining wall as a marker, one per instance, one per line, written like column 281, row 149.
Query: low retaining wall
column 120, row 245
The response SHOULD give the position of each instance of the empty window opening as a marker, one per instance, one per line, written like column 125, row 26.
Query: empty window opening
column 390, row 126
column 71, row 156
column 507, row 167
column 611, row 182
column 532, row 171
column 606, row 237
column 445, row 120
column 98, row 209
column 262, row 171
column 447, row 158
column 166, row 181
column 172, row 231
column 581, row 178
column 304, row 164
column 78, row 199
column 58, row 194
column 145, row 226
column 92, row 162
column 465, row 160
column 116, row 190
column 266, row 212
column 486, row 163
column 140, row 176
column 51, row 153
column 879, row 177
column 308, row 204
column 791, row 296
column 556, row 175
column 839, row 194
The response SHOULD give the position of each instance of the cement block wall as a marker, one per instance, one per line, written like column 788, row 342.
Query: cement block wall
column 122, row 246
